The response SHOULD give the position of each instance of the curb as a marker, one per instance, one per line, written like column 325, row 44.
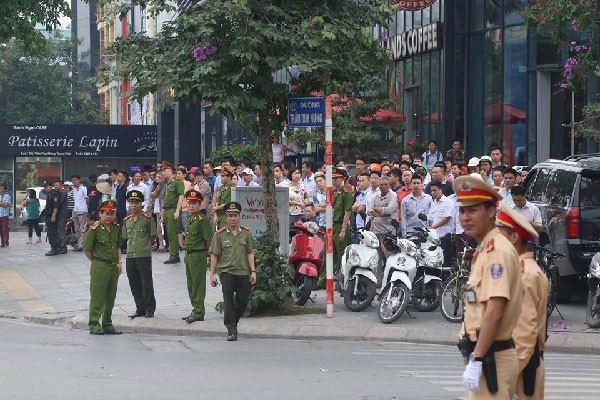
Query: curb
column 558, row 341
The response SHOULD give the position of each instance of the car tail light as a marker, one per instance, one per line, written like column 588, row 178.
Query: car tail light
column 573, row 223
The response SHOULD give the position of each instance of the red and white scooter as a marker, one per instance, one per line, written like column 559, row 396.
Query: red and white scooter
column 306, row 257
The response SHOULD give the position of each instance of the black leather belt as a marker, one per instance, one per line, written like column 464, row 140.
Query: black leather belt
column 194, row 251
column 501, row 345
column 105, row 261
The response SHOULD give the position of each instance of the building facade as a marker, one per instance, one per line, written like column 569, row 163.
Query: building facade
column 470, row 69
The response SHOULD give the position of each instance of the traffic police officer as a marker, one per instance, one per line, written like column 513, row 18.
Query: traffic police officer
column 51, row 217
column 493, row 296
column 232, row 254
column 139, row 230
column 223, row 197
column 198, row 235
column 530, row 332
column 102, row 247
column 171, row 209
column 342, row 208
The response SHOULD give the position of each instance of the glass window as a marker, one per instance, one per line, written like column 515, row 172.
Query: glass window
column 477, row 15
column 426, row 97
column 514, row 139
column 560, row 188
column 493, row 112
column 31, row 172
column 435, row 11
column 97, row 166
column 536, row 186
column 417, row 18
column 493, row 13
column 512, row 11
column 589, row 191
column 460, row 16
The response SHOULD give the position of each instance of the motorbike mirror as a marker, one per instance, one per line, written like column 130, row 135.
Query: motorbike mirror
column 395, row 223
column 422, row 217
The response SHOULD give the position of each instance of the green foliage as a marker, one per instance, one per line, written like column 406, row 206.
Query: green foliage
column 273, row 290
column 41, row 88
column 248, row 152
column 18, row 19
column 590, row 125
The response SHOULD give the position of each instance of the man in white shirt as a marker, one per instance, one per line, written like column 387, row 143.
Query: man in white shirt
column 440, row 217
column 137, row 184
column 385, row 208
column 248, row 177
column 414, row 204
column 509, row 176
column 308, row 178
column 372, row 190
column 319, row 199
column 432, row 155
column 525, row 208
column 360, row 201
column 80, row 209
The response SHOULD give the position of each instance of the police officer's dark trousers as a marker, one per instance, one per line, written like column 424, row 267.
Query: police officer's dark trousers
column 139, row 274
column 61, row 228
column 52, row 234
column 236, row 292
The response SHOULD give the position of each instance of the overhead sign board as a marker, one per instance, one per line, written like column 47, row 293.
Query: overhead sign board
column 416, row 41
column 306, row 112
column 413, row 5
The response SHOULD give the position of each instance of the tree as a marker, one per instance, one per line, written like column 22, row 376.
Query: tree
column 228, row 51
column 573, row 24
column 41, row 88
column 18, row 19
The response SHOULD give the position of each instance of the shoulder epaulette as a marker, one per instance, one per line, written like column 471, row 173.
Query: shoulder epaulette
column 221, row 230
column 244, row 228
column 199, row 217
column 96, row 225
column 147, row 215
column 127, row 217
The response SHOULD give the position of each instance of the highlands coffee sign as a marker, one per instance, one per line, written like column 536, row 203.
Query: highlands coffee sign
column 413, row 5
column 78, row 140
column 416, row 41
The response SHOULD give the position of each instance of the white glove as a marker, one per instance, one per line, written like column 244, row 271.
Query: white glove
column 472, row 374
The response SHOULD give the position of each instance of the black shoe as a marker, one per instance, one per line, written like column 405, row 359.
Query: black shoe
column 172, row 260
column 149, row 315
column 63, row 251
column 232, row 337
column 123, row 251
column 78, row 249
column 185, row 318
column 96, row 332
column 136, row 314
column 52, row 253
column 112, row 332
column 191, row 319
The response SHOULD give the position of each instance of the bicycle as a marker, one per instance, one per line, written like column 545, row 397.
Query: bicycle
column 546, row 259
column 451, row 303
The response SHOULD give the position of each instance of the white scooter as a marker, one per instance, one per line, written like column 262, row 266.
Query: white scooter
column 408, row 274
column 360, row 262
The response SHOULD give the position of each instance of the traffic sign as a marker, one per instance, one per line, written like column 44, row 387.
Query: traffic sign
column 306, row 112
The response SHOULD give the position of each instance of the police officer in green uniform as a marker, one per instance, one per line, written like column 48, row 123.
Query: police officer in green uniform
column 171, row 209
column 198, row 235
column 139, row 230
column 223, row 197
column 102, row 247
column 342, row 208
column 232, row 254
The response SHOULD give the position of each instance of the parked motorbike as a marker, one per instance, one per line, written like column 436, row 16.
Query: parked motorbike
column 70, row 234
column 411, row 272
column 592, row 315
column 306, row 257
column 357, row 277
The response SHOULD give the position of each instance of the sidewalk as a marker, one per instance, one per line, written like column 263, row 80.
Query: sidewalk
column 55, row 291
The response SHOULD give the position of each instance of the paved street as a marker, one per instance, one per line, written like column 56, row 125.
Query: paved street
column 66, row 364
column 55, row 290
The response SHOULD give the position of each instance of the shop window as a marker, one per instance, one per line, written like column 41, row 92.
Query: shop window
column 32, row 172
column 493, row 110
column 513, row 10
column 493, row 13
column 477, row 15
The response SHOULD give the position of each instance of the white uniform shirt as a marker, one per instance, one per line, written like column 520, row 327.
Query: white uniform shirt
column 142, row 187
column 309, row 185
column 458, row 229
column 531, row 212
column 440, row 209
column 80, row 199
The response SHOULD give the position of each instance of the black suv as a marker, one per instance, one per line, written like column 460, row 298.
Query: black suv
column 567, row 192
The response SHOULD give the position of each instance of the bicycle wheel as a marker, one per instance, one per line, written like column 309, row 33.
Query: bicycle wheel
column 553, row 282
column 451, row 304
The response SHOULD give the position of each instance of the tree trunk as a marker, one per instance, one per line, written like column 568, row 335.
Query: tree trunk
column 268, row 179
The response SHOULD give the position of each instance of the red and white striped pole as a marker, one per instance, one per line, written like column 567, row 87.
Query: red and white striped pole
column 329, row 204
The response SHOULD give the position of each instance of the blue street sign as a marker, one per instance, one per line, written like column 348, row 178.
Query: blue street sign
column 306, row 112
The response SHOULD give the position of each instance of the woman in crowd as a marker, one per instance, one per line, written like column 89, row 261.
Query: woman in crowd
column 298, row 195
column 32, row 204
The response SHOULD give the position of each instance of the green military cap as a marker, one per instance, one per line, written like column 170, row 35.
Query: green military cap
column 233, row 207
column 193, row 194
column 339, row 173
column 108, row 205
column 135, row 195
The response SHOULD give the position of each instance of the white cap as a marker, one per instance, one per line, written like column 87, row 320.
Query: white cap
column 247, row 171
column 476, row 175
column 485, row 159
